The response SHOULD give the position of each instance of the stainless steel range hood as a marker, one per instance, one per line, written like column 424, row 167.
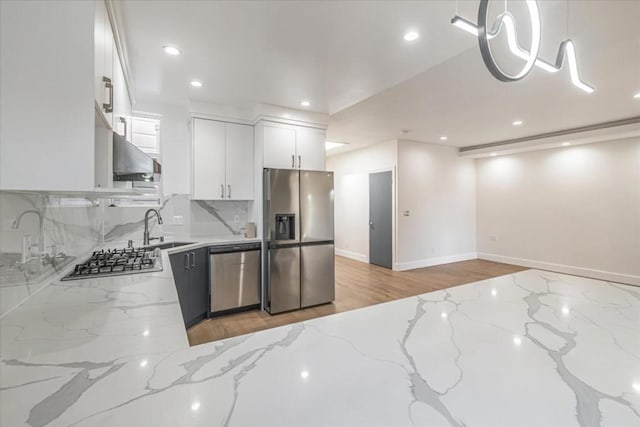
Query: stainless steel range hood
column 132, row 164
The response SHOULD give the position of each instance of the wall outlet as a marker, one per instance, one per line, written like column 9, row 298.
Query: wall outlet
column 494, row 238
column 236, row 219
column 178, row 220
column 405, row 213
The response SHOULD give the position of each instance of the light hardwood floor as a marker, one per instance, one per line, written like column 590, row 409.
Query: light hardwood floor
column 357, row 285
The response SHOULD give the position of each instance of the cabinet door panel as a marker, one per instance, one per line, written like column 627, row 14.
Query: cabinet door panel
column 100, row 21
column 199, row 285
column 279, row 147
column 121, row 105
column 179, row 267
column 310, row 149
column 239, row 162
column 109, row 48
column 208, row 160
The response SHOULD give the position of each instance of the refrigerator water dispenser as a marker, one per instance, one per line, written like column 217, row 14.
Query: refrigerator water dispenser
column 285, row 226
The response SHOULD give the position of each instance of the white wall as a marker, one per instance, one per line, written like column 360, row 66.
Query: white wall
column 438, row 188
column 175, row 144
column 351, row 183
column 573, row 209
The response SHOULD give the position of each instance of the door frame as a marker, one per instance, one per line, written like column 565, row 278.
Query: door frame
column 394, row 219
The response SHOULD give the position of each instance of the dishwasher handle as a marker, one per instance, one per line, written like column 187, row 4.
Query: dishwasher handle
column 225, row 249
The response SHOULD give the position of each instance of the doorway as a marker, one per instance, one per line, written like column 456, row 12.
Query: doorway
column 381, row 219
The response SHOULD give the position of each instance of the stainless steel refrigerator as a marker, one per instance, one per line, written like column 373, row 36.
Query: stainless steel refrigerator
column 298, row 233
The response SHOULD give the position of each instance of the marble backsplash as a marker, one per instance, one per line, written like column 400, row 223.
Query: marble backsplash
column 75, row 227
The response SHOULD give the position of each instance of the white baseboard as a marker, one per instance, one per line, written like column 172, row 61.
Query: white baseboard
column 429, row 262
column 352, row 255
column 567, row 269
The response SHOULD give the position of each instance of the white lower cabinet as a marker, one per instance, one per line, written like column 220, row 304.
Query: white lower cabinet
column 222, row 161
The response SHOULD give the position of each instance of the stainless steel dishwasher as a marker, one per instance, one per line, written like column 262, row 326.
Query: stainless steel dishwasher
column 234, row 277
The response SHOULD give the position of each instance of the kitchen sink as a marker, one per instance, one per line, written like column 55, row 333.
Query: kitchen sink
column 169, row 245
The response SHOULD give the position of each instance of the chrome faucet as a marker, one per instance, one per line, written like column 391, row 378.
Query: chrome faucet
column 146, row 238
column 27, row 253
column 16, row 222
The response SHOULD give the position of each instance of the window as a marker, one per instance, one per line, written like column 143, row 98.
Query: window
column 145, row 134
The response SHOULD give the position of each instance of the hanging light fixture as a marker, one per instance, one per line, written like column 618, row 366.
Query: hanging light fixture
column 506, row 21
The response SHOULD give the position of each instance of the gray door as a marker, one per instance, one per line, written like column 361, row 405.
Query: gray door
column 316, row 206
column 284, row 279
column 380, row 218
column 317, row 271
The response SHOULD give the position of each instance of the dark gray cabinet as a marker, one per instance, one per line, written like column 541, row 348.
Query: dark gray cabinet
column 191, row 276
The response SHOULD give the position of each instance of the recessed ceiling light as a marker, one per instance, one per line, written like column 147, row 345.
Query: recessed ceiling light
column 494, row 154
column 305, row 103
column 566, row 144
column 196, row 83
column 171, row 50
column 411, row 36
column 443, row 138
column 517, row 122
column 636, row 96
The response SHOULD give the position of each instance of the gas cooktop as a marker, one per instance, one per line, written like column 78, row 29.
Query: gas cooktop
column 114, row 262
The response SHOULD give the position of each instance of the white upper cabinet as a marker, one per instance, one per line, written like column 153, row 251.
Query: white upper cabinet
column 121, row 100
column 222, row 161
column 279, row 147
column 293, row 147
column 56, row 132
column 47, row 96
column 239, row 162
column 310, row 148
column 103, row 59
column 208, row 154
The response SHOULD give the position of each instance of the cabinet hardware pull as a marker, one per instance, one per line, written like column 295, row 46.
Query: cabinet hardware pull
column 293, row 161
column 186, row 264
column 229, row 195
column 193, row 259
column 222, row 191
column 299, row 162
column 108, row 108
column 124, row 122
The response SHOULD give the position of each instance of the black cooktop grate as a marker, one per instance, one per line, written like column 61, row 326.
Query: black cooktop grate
column 117, row 261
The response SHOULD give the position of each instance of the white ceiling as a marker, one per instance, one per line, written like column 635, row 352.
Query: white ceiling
column 349, row 59
column 332, row 53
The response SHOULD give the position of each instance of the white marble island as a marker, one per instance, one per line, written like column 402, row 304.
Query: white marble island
column 529, row 349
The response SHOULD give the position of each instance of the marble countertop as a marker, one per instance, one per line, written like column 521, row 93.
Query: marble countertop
column 529, row 349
